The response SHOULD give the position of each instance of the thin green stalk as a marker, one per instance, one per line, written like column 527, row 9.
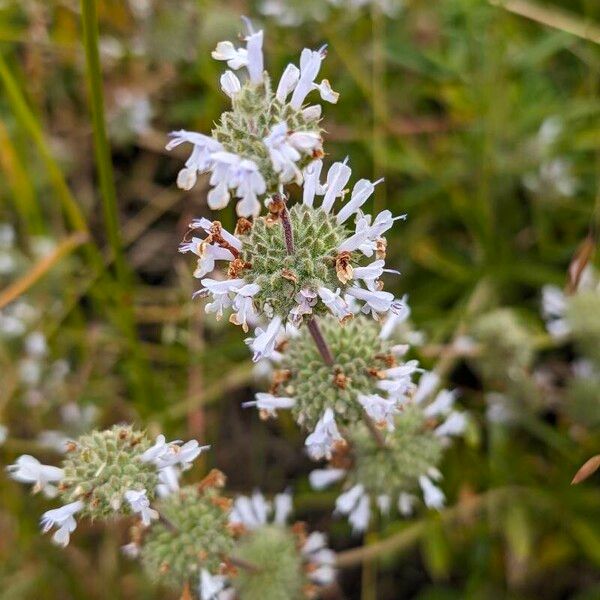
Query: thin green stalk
column 101, row 147
column 27, row 120
column 108, row 194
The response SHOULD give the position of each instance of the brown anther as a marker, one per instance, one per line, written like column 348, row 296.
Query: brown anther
column 289, row 275
column 388, row 359
column 380, row 248
column 236, row 266
column 63, row 486
column 216, row 237
column 228, row 568
column 281, row 376
column 214, row 479
column 340, row 380
column 164, row 568
column 221, row 502
column 277, row 205
column 343, row 268
column 233, row 318
column 265, row 415
column 281, row 346
column 70, row 446
column 339, row 445
column 136, row 533
column 242, row 226
column 341, row 459
column 123, row 434
column 379, row 285
column 299, row 530
column 318, row 153
column 346, row 319
column 310, row 591
column 375, row 372
column 236, row 529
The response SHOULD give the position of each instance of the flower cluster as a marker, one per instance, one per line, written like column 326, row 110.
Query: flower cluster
column 366, row 380
column 303, row 565
column 290, row 266
column 105, row 473
column 403, row 462
column 268, row 138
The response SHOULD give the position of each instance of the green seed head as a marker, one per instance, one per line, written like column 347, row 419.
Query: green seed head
column 280, row 575
column 359, row 356
column 101, row 466
column 506, row 347
column 193, row 535
column 582, row 314
column 254, row 113
column 282, row 276
column 411, row 450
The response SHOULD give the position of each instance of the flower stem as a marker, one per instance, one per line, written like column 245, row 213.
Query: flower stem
column 288, row 234
column 320, row 342
column 244, row 564
column 167, row 523
column 375, row 431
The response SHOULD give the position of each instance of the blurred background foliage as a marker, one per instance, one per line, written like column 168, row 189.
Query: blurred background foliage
column 486, row 126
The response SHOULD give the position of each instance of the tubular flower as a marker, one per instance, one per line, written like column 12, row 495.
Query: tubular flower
column 116, row 471
column 404, row 467
column 267, row 138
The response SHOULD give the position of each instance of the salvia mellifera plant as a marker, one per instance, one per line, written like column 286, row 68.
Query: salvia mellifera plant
column 306, row 277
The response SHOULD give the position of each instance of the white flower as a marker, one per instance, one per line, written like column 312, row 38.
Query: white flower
column 442, row 403
column 200, row 159
column 168, row 481
column 405, row 504
column 285, row 150
column 287, row 83
column 346, row 502
column 243, row 304
column 250, row 57
column 211, row 586
column 371, row 273
column 63, row 519
column 283, row 508
column 322, row 478
column 306, row 299
column 269, row 404
column 337, row 178
column 28, row 469
column 312, row 182
column 381, row 410
column 131, row 550
column 315, row 551
column 428, row 383
column 336, row 304
column 207, row 255
column 230, row 84
column 263, row 344
column 361, row 192
column 140, row 504
column 326, row 92
column 455, row 424
column 35, row 344
column 355, row 503
column 433, row 496
column 170, row 454
column 554, row 309
column 394, row 319
column 252, row 512
column 321, row 441
column 310, row 64
column 376, row 302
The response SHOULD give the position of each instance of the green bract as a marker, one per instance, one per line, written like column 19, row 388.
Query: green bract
column 359, row 355
column 193, row 535
column 101, row 466
column 273, row 549
column 411, row 450
column 255, row 112
column 280, row 275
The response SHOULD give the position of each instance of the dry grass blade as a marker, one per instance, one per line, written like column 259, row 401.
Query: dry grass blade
column 20, row 286
column 580, row 261
column 587, row 469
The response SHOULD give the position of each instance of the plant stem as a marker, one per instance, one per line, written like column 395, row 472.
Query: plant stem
column 167, row 523
column 320, row 342
column 375, row 431
column 288, row 233
column 244, row 564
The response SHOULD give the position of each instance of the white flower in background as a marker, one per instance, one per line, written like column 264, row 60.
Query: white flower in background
column 211, row 586
column 139, row 503
column 28, row 469
column 254, row 511
column 63, row 519
column 268, row 404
